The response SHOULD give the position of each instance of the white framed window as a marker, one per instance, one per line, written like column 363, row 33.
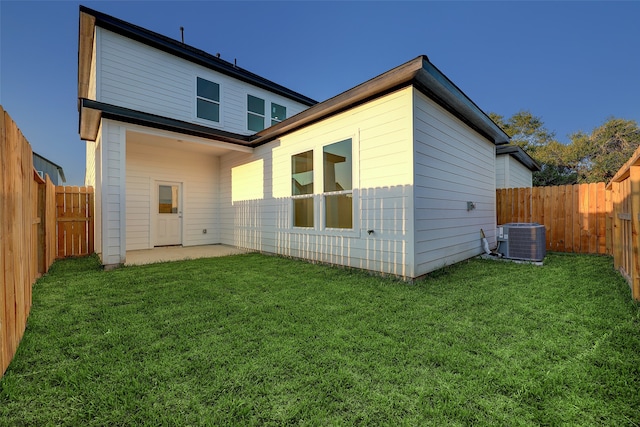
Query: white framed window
column 331, row 205
column 302, row 189
column 207, row 100
column 337, row 169
column 278, row 113
column 255, row 113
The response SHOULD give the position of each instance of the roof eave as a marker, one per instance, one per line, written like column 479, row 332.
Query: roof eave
column 437, row 86
column 92, row 112
column 419, row 72
column 520, row 155
column 188, row 53
column 394, row 79
column 85, row 52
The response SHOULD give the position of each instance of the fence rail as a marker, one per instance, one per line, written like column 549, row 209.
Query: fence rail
column 577, row 217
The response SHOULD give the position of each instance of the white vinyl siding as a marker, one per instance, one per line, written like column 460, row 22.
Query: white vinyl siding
column 90, row 164
column 502, row 170
column 93, row 77
column 97, row 208
column 453, row 165
column 111, row 193
column 139, row 77
column 197, row 172
column 381, row 135
column 510, row 173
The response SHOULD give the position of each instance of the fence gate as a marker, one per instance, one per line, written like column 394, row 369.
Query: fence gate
column 74, row 212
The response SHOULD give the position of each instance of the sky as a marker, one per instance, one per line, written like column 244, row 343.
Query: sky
column 574, row 64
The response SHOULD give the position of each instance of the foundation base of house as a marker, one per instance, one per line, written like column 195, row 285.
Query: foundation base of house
column 517, row 261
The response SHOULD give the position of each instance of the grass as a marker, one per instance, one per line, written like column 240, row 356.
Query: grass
column 258, row 340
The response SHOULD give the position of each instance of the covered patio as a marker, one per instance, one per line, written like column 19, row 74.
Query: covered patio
column 179, row 253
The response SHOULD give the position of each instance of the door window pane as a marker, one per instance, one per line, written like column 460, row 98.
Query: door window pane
column 167, row 199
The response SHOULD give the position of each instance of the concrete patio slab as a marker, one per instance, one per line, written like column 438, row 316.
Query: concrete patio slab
column 178, row 253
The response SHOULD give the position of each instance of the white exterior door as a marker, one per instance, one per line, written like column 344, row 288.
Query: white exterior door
column 168, row 212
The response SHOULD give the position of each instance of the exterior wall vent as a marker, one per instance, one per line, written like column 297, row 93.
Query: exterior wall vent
column 522, row 240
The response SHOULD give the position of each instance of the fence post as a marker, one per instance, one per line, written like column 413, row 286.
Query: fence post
column 617, row 226
column 634, row 175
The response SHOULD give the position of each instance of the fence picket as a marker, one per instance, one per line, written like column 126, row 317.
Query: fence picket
column 23, row 234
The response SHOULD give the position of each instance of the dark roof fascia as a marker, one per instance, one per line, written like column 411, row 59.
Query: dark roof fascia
column 520, row 155
column 191, row 54
column 126, row 115
column 418, row 72
column 433, row 83
column 60, row 170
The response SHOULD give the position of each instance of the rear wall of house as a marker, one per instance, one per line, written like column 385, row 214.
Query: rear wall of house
column 453, row 165
column 136, row 76
column 256, row 190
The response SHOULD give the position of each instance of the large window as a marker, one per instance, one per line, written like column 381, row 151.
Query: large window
column 338, row 186
column 255, row 113
column 302, row 189
column 207, row 100
column 278, row 113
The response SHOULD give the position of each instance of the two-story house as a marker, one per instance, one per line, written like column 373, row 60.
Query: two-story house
column 396, row 175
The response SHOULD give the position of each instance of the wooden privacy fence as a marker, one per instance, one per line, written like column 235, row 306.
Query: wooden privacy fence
column 27, row 234
column 74, row 211
column 625, row 195
column 577, row 218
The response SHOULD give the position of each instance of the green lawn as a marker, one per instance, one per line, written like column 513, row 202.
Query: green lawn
column 259, row 340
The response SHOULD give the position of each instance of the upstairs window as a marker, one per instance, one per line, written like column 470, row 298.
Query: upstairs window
column 278, row 113
column 338, row 185
column 208, row 100
column 302, row 189
column 255, row 113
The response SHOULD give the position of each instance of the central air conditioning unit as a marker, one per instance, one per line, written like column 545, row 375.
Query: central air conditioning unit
column 522, row 240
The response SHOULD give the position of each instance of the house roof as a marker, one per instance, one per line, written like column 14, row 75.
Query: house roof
column 90, row 18
column 60, row 170
column 520, row 155
column 419, row 72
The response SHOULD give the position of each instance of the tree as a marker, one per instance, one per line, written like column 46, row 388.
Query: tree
column 526, row 130
column 597, row 157
column 555, row 170
column 529, row 133
column 594, row 157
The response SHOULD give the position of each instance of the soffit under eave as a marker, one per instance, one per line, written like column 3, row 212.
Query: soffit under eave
column 89, row 123
column 438, row 87
column 86, row 36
